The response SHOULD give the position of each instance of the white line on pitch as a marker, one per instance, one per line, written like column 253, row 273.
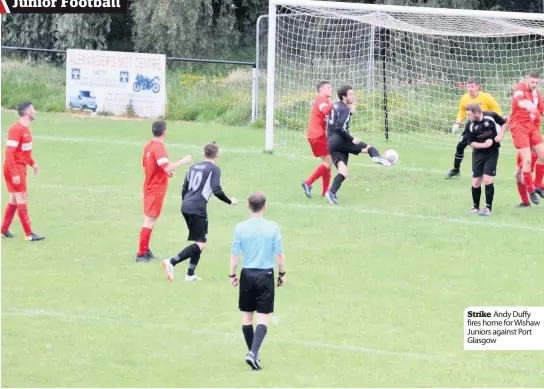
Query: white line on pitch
column 250, row 150
column 33, row 312
column 420, row 143
column 366, row 211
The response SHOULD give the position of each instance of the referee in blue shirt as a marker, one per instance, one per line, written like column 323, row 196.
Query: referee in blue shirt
column 259, row 241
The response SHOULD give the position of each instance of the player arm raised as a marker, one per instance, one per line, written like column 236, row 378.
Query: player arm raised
column 170, row 166
column 519, row 99
column 325, row 107
column 501, row 121
column 217, row 190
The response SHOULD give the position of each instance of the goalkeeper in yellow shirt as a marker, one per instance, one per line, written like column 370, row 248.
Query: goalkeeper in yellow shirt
column 473, row 96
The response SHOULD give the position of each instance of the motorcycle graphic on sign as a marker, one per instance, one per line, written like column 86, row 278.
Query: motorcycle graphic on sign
column 146, row 83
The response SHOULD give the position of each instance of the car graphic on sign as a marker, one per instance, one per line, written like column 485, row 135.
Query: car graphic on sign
column 84, row 100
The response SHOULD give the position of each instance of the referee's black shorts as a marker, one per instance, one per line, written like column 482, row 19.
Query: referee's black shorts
column 256, row 290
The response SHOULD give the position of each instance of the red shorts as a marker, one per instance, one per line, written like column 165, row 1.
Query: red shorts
column 319, row 146
column 525, row 135
column 15, row 188
column 534, row 158
column 153, row 205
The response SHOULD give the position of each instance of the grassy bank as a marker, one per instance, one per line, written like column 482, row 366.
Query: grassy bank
column 222, row 99
column 226, row 99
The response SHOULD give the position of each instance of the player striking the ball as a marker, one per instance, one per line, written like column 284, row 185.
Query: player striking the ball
column 473, row 96
column 342, row 144
column 316, row 133
column 157, row 171
column 522, row 189
column 18, row 156
column 527, row 109
column 202, row 179
column 482, row 136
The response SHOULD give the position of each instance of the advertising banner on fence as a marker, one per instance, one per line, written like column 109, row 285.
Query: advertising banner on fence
column 117, row 83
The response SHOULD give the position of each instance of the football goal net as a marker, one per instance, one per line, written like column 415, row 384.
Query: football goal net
column 407, row 65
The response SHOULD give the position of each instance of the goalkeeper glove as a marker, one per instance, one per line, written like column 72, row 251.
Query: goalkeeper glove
column 455, row 128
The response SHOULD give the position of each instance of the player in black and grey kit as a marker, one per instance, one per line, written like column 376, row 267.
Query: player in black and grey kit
column 342, row 144
column 483, row 137
column 203, row 179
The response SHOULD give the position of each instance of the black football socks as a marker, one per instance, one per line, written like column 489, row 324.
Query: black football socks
column 337, row 182
column 188, row 252
column 248, row 335
column 193, row 262
column 489, row 193
column 260, row 333
column 459, row 155
column 476, row 194
column 373, row 152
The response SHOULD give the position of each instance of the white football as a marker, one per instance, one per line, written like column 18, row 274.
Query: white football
column 391, row 155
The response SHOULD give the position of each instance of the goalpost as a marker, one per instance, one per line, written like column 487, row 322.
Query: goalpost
column 407, row 65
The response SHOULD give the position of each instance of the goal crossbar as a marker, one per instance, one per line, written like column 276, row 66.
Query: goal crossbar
column 406, row 10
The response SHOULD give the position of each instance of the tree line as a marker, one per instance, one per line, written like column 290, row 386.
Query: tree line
column 219, row 29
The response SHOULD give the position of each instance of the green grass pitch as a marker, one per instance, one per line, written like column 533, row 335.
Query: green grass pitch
column 376, row 286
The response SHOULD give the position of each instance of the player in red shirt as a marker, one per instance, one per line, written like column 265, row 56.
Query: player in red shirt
column 18, row 156
column 527, row 109
column 158, row 169
column 522, row 189
column 316, row 133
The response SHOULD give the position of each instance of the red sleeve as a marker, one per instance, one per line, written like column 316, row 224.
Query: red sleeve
column 30, row 160
column 161, row 156
column 13, row 142
column 518, row 94
column 325, row 106
column 540, row 103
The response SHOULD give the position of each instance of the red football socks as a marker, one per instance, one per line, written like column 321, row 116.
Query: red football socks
column 22, row 211
column 318, row 172
column 539, row 175
column 9, row 213
column 326, row 181
column 145, row 236
column 528, row 179
column 522, row 189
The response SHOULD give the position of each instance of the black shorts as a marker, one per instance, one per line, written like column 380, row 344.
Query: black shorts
column 484, row 163
column 198, row 227
column 340, row 150
column 256, row 290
